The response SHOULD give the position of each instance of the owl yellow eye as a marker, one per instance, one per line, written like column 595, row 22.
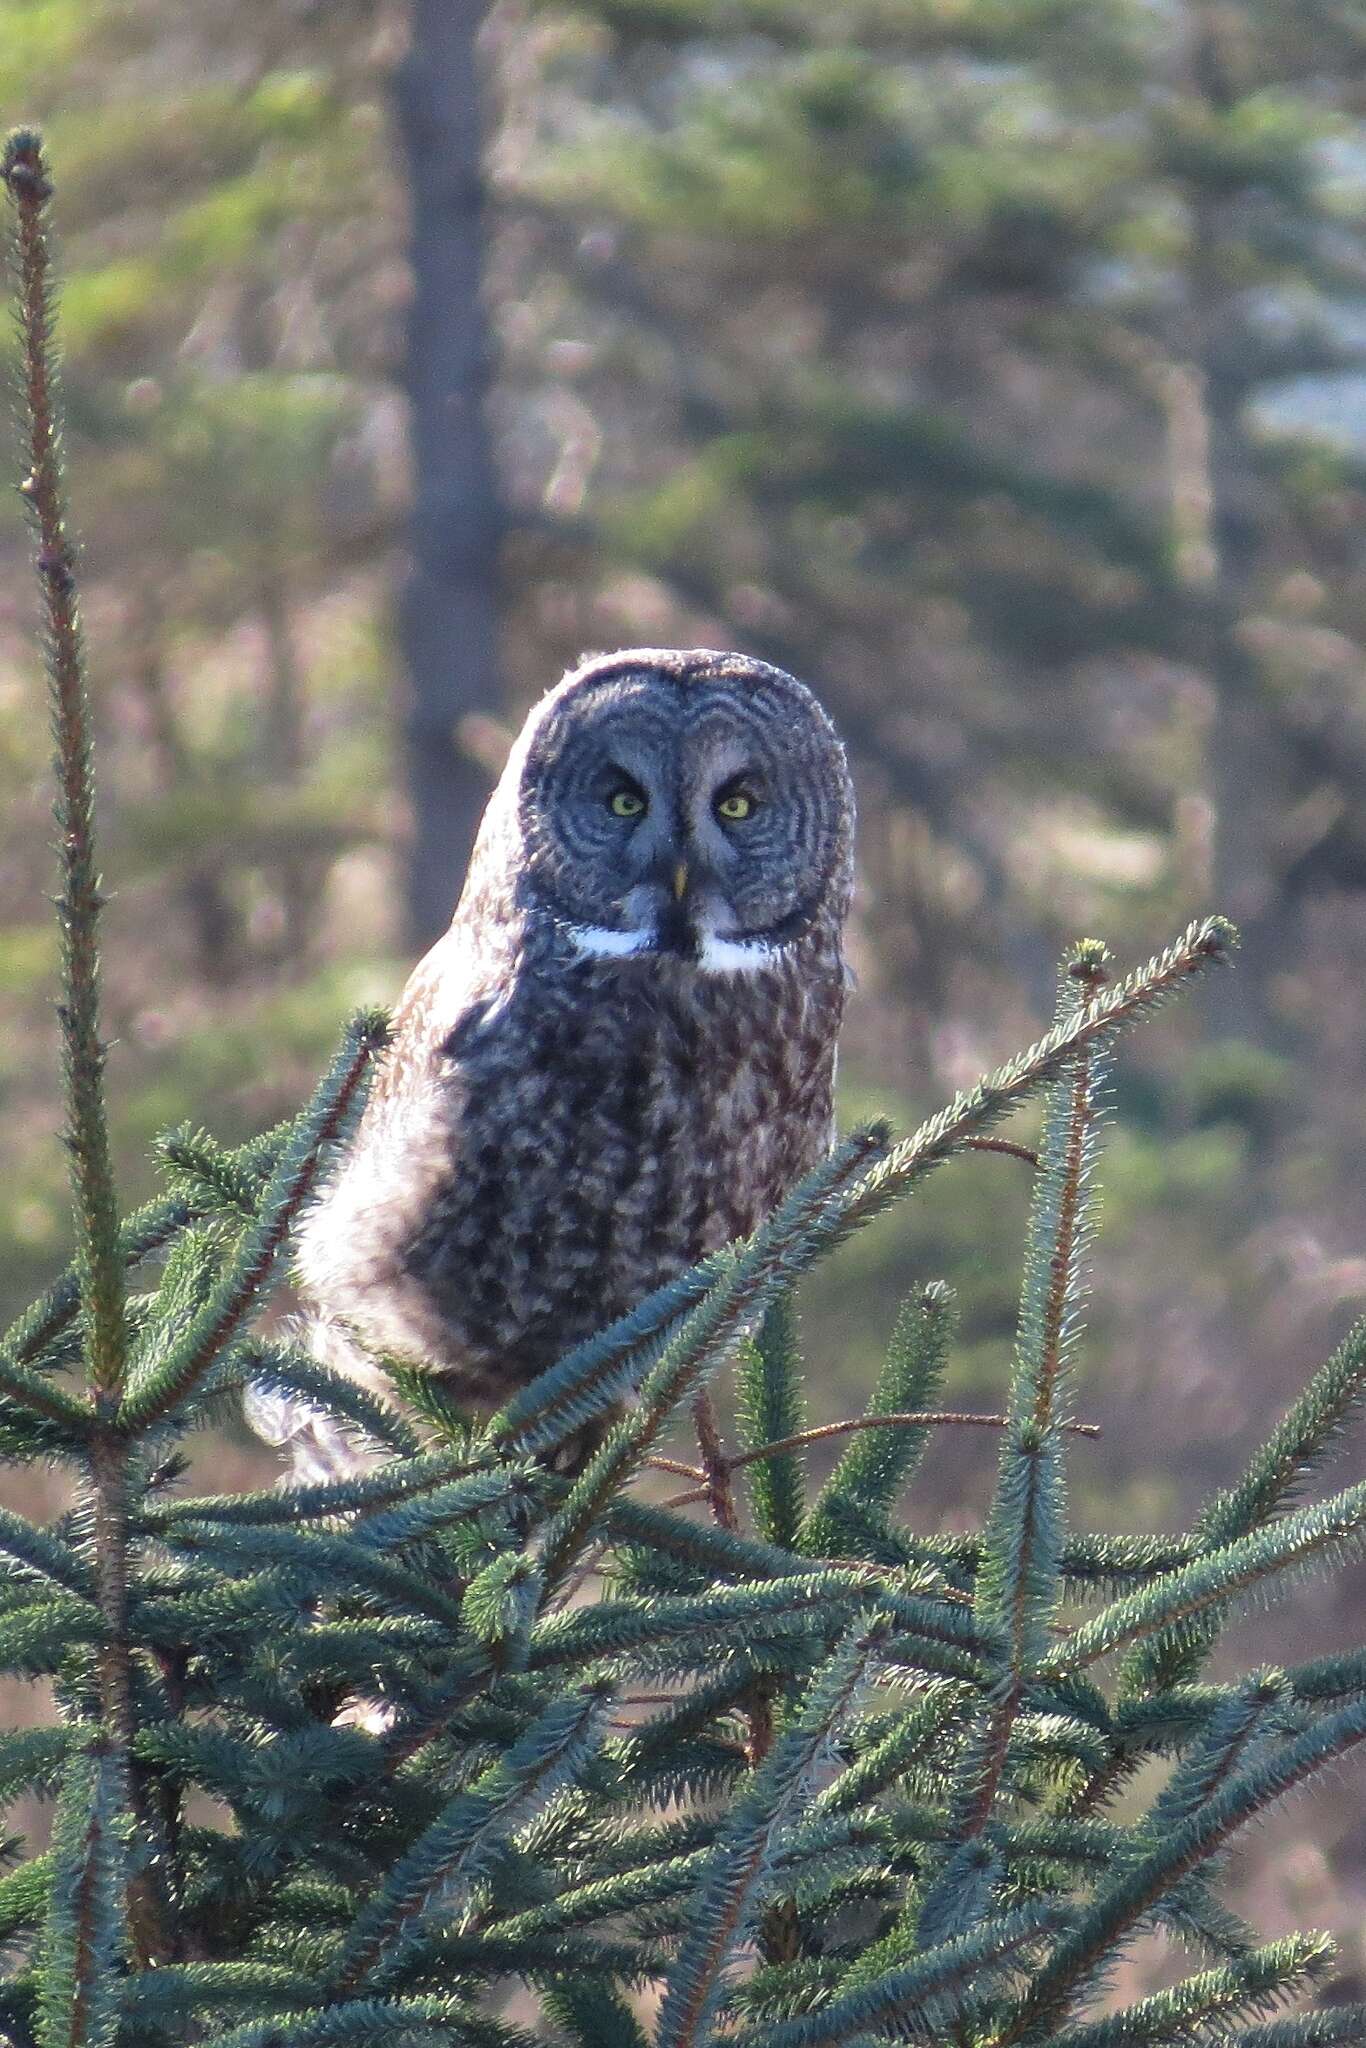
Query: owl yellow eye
column 626, row 803
column 735, row 806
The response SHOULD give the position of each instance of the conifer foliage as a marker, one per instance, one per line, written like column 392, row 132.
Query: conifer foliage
column 343, row 1763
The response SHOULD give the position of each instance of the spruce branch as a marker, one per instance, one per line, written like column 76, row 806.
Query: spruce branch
column 1301, row 1441
column 769, row 1410
column 44, row 1553
column 1343, row 2026
column 1216, row 1579
column 211, row 1178
column 140, row 1234
column 328, row 1498
column 24, row 1895
column 1243, row 1722
column 85, row 1933
column 281, row 1368
column 309, row 1563
column 454, row 1851
column 1213, row 2001
column 95, row 1927
column 711, row 1552
column 80, row 899
column 758, row 1707
column 370, row 2022
column 674, row 1635
column 1329, row 1678
column 742, row 1860
column 913, row 1738
column 327, row 1117
column 920, row 1999
column 33, row 1394
column 870, row 1472
column 37, row 1634
column 1019, row 1582
column 593, row 2016
column 31, row 1759
column 590, row 1379
column 1204, row 944
column 1122, row 1904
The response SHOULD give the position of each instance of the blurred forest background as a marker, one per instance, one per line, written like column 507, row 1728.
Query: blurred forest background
column 997, row 365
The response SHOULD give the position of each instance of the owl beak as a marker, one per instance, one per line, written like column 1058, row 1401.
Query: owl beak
column 680, row 880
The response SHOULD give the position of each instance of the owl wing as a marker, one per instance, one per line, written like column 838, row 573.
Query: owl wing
column 404, row 1141
column 455, row 986
column 345, row 1252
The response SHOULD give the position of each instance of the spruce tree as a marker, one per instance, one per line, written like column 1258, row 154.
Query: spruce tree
column 341, row 1763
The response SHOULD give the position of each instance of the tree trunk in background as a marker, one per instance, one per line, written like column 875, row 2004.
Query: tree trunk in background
column 1249, row 760
column 448, row 610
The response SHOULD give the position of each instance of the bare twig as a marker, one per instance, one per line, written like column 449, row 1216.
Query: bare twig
column 925, row 1418
column 677, row 1467
column 1012, row 1151
column 716, row 1466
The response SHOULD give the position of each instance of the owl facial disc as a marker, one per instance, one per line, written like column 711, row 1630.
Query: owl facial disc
column 684, row 805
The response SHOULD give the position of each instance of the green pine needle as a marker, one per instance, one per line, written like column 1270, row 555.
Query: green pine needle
column 768, row 1409
column 878, row 1462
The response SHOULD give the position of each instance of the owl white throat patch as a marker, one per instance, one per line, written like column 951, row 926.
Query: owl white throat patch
column 715, row 955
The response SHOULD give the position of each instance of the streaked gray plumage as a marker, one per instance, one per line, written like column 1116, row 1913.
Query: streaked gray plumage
column 621, row 1055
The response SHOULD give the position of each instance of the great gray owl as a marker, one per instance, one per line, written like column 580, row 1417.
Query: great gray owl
column 621, row 1054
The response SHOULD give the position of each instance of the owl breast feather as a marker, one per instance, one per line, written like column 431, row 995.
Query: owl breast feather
column 533, row 1166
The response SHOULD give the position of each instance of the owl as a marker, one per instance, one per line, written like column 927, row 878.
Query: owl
column 621, row 1055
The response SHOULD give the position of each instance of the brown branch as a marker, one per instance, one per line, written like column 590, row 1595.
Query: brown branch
column 912, row 1419
column 677, row 1467
column 917, row 1419
column 716, row 1466
column 1012, row 1151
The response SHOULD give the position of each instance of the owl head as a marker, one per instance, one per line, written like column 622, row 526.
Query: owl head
column 683, row 803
